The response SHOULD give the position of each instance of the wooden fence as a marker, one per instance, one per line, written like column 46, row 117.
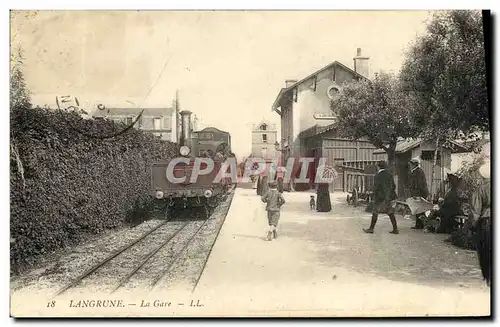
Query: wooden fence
column 358, row 179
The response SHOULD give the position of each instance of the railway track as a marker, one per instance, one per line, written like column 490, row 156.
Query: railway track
column 192, row 267
column 167, row 236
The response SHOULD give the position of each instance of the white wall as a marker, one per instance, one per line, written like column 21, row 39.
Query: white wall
column 457, row 159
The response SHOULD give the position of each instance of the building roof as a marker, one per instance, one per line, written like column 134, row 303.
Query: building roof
column 283, row 91
column 408, row 144
column 213, row 129
column 148, row 112
column 271, row 127
column 316, row 130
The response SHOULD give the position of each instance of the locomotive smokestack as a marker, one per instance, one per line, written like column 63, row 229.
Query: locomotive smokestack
column 185, row 127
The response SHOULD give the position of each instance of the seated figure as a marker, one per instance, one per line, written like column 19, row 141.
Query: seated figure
column 448, row 208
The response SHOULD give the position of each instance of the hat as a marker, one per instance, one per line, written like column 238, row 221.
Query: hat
column 485, row 170
column 382, row 164
column 454, row 179
column 415, row 160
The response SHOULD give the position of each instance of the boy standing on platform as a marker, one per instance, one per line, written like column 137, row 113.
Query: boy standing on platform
column 274, row 201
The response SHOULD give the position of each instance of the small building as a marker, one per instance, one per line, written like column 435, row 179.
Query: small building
column 264, row 138
column 424, row 149
column 159, row 121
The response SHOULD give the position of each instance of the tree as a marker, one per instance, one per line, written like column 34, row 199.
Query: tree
column 19, row 93
column 377, row 110
column 445, row 72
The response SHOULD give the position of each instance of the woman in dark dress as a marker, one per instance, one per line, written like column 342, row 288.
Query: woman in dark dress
column 323, row 203
column 259, row 183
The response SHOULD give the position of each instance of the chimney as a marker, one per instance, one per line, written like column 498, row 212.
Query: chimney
column 361, row 64
column 177, row 117
column 290, row 82
column 185, row 138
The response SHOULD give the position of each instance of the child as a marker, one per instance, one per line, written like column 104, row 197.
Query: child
column 312, row 203
column 274, row 200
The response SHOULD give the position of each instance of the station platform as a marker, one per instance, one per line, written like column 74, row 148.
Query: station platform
column 322, row 264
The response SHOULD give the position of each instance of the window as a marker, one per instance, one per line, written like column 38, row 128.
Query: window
column 167, row 123
column 332, row 92
column 429, row 156
column 128, row 121
column 156, row 123
column 263, row 127
column 264, row 138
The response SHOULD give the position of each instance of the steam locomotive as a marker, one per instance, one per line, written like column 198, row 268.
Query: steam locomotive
column 205, row 192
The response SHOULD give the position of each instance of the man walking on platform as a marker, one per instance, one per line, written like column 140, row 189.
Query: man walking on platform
column 384, row 195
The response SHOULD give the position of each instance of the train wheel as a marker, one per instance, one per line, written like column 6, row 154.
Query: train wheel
column 212, row 202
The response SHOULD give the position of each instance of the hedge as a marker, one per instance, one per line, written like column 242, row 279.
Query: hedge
column 64, row 184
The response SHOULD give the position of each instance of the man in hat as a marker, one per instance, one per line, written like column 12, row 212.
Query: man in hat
column 384, row 195
column 480, row 217
column 418, row 186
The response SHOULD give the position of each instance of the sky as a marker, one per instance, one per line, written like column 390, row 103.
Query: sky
column 227, row 66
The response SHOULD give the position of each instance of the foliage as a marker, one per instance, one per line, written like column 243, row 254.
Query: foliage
column 377, row 110
column 73, row 184
column 19, row 93
column 469, row 175
column 445, row 74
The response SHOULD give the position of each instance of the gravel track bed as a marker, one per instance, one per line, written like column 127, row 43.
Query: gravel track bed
column 186, row 270
column 157, row 265
column 110, row 274
column 69, row 266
